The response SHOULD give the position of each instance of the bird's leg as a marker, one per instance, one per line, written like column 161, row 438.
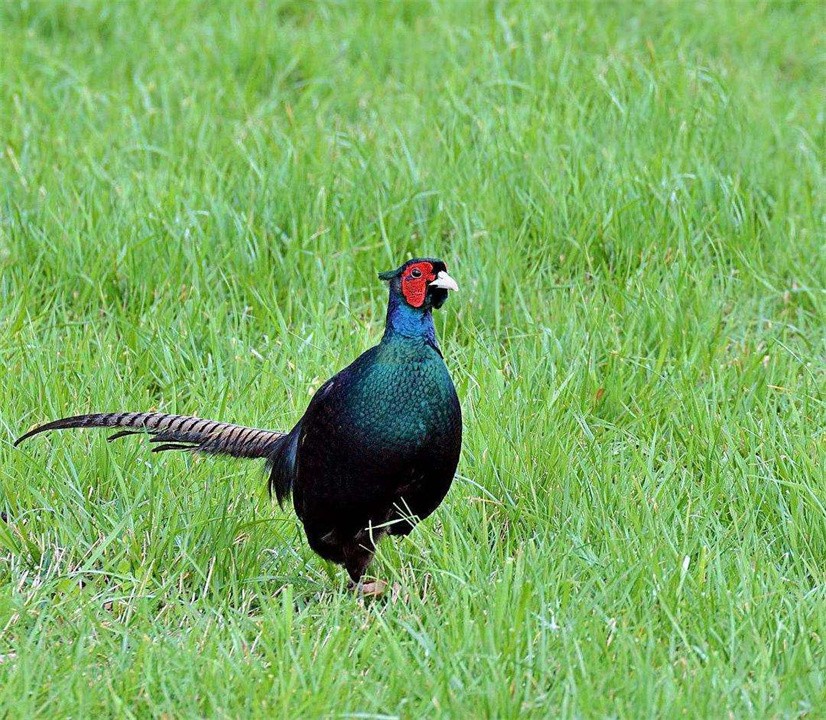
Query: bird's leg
column 356, row 559
column 358, row 553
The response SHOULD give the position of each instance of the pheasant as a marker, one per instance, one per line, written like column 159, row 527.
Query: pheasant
column 377, row 447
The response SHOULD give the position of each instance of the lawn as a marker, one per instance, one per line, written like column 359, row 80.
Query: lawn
column 195, row 200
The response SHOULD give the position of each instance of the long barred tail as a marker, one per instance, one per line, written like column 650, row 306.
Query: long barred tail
column 175, row 432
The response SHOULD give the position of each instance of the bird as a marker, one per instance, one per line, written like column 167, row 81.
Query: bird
column 376, row 449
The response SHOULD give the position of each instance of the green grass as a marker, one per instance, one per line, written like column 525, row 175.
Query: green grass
column 194, row 203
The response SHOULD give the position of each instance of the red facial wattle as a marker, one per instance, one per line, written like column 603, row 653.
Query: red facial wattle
column 414, row 288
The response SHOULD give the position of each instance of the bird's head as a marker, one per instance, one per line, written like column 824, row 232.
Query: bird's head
column 421, row 283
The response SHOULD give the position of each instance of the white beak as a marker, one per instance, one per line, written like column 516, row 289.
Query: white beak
column 443, row 280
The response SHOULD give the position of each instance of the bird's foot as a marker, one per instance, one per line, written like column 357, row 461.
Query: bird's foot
column 371, row 588
column 376, row 588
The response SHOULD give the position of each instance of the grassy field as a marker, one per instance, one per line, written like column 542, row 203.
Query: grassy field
column 194, row 203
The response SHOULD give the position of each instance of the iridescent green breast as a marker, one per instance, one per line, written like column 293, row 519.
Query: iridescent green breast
column 402, row 397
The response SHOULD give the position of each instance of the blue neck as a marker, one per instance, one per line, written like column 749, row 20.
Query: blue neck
column 408, row 322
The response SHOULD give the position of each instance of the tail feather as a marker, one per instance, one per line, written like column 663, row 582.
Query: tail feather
column 281, row 464
column 175, row 432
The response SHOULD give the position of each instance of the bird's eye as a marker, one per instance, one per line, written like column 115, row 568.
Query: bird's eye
column 416, row 273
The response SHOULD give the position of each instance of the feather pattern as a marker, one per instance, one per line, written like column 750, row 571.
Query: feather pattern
column 174, row 432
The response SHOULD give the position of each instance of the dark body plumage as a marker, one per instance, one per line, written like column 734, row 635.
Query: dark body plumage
column 376, row 449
